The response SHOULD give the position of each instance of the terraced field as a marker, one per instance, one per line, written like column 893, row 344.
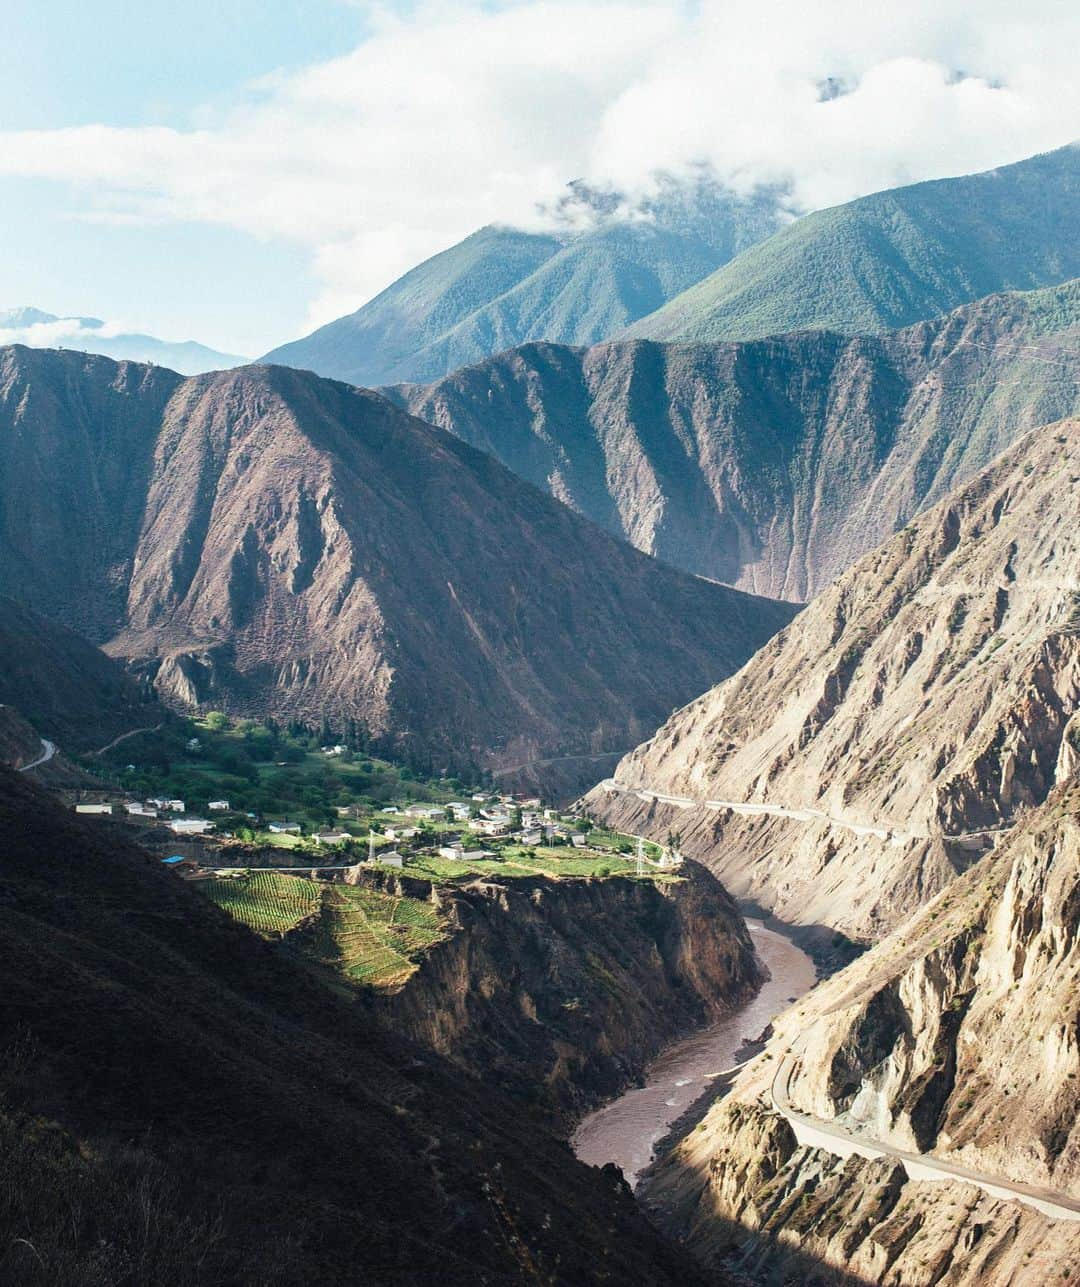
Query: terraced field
column 370, row 937
column 270, row 904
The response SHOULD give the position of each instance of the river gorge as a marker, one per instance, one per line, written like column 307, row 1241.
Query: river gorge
column 627, row 1130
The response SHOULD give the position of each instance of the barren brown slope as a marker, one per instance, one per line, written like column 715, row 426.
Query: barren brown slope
column 305, row 549
column 957, row 1037
column 77, row 438
column 770, row 464
column 926, row 694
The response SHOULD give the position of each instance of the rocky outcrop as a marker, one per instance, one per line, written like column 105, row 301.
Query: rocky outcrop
column 874, row 748
column 773, row 464
column 278, row 544
column 954, row 1037
column 563, row 990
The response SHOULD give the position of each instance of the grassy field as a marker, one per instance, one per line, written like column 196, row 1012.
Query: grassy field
column 370, row 937
column 268, row 772
column 541, row 861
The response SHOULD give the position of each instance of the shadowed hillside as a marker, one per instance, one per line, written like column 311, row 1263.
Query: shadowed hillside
column 183, row 1105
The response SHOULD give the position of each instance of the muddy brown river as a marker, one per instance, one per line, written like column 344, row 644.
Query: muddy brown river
column 627, row 1130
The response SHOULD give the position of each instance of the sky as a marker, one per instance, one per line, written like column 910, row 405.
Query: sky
column 238, row 172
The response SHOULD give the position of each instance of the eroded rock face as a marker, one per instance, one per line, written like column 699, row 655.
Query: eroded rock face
column 564, row 990
column 771, row 464
column 920, row 704
column 956, row 1036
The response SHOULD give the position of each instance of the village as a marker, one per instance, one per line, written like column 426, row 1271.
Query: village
column 440, row 837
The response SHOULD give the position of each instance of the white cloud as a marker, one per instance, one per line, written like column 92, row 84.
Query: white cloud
column 462, row 114
column 64, row 332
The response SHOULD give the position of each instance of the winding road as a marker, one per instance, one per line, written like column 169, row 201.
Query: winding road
column 48, row 750
column 832, row 1137
column 802, row 814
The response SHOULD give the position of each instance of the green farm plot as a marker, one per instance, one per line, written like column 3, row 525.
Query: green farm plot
column 270, row 904
column 372, row 937
column 367, row 935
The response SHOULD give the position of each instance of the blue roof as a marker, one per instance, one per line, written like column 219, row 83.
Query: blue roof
column 174, row 859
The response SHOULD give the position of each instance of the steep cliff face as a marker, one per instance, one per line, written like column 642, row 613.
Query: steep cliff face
column 281, row 544
column 957, row 1037
column 564, row 990
column 773, row 464
column 870, row 751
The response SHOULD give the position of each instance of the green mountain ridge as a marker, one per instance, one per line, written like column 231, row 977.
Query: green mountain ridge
column 893, row 258
column 501, row 287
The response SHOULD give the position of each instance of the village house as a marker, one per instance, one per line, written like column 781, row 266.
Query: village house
column 331, row 837
column 190, row 826
column 477, row 855
column 284, row 828
column 139, row 810
column 400, row 833
column 531, row 837
column 170, row 806
column 334, row 750
column 488, row 826
column 218, row 806
column 459, row 808
column 426, row 811
column 391, row 859
column 93, row 808
column 578, row 839
column 451, row 851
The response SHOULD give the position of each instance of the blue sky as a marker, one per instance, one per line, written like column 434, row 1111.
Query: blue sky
column 152, row 62
column 238, row 172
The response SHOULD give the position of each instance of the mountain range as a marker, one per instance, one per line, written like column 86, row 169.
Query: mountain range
column 92, row 335
column 501, row 287
column 770, row 464
column 279, row 544
column 893, row 258
column 911, row 713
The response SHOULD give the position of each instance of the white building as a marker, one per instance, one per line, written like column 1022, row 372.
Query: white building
column 401, row 833
column 284, row 828
column 488, row 827
column 218, row 806
column 190, row 826
column 451, row 851
column 139, row 810
column 392, row 859
column 578, row 840
column 531, row 837
column 93, row 808
column 332, row 837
